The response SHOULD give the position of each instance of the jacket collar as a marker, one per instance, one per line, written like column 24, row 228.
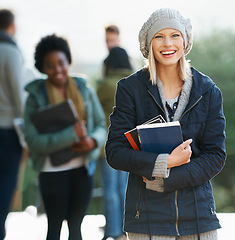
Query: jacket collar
column 201, row 85
column 6, row 38
column 37, row 87
column 152, row 89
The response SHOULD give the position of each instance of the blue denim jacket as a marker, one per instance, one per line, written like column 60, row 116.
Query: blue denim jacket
column 187, row 199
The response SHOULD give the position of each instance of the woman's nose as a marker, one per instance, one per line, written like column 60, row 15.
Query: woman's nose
column 58, row 69
column 168, row 41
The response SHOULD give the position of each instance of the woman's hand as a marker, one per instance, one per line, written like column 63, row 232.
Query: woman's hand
column 180, row 155
column 80, row 129
column 86, row 144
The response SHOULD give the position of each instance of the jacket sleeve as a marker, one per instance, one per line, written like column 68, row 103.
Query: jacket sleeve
column 119, row 153
column 14, row 70
column 211, row 159
column 45, row 143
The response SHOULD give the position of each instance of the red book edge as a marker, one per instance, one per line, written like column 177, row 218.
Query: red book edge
column 131, row 141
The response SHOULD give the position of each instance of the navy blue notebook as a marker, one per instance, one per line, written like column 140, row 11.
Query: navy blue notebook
column 132, row 135
column 160, row 137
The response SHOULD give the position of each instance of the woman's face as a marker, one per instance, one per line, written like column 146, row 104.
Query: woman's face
column 168, row 46
column 55, row 65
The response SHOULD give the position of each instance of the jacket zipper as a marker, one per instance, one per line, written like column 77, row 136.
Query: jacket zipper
column 137, row 215
column 157, row 103
column 190, row 108
column 183, row 113
column 176, row 192
column 177, row 214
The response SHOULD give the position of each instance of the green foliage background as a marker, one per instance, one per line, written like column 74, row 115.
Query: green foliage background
column 214, row 55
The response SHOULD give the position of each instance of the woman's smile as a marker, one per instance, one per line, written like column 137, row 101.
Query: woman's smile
column 60, row 76
column 168, row 53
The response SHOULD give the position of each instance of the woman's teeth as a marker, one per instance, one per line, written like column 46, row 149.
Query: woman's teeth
column 59, row 75
column 167, row 52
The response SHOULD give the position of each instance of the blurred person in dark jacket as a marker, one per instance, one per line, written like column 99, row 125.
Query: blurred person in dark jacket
column 116, row 66
column 11, row 106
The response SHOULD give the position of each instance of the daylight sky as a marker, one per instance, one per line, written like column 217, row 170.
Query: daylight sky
column 82, row 22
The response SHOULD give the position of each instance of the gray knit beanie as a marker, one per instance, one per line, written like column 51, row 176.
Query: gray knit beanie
column 165, row 18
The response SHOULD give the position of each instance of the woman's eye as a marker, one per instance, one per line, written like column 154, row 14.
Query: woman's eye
column 175, row 35
column 158, row 36
column 62, row 63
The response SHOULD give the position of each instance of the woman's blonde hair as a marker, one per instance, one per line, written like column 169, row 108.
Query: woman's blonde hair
column 184, row 67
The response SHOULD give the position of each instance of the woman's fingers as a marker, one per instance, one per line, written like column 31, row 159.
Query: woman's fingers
column 186, row 143
column 180, row 155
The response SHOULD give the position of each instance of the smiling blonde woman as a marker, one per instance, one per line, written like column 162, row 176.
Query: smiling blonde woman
column 175, row 200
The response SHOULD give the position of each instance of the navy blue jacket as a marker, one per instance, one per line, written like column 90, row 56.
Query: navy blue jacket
column 187, row 192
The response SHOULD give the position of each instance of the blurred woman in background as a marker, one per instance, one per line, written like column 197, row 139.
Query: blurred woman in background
column 66, row 189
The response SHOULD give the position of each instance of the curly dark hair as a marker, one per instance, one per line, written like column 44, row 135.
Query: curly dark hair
column 48, row 44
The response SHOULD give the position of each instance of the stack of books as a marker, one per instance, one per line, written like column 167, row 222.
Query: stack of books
column 156, row 135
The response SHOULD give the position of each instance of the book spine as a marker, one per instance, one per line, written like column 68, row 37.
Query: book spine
column 131, row 141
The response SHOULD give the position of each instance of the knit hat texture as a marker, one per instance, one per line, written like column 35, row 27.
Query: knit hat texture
column 161, row 19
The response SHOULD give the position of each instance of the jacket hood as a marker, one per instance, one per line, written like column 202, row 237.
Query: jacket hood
column 201, row 82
